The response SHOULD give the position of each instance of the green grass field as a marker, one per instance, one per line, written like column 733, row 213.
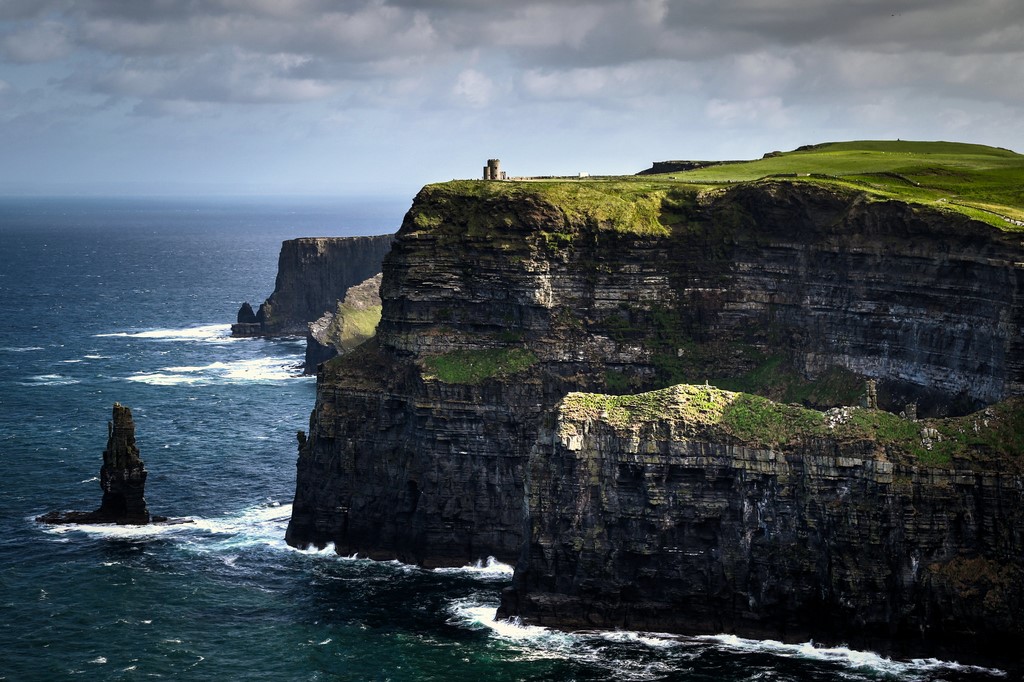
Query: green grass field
column 986, row 183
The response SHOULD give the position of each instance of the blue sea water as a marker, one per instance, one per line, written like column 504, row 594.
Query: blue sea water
column 130, row 300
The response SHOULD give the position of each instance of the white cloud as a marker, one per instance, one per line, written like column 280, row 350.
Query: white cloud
column 474, row 88
column 764, row 111
column 677, row 76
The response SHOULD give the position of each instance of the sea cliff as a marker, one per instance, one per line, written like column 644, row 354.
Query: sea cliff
column 699, row 510
column 430, row 442
column 313, row 275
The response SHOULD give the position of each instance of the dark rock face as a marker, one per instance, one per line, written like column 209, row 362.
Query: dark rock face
column 246, row 314
column 403, row 462
column 123, row 474
column 663, row 524
column 313, row 274
column 318, row 350
column 658, row 167
column 122, row 479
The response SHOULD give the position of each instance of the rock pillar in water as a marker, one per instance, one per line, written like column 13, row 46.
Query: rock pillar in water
column 123, row 474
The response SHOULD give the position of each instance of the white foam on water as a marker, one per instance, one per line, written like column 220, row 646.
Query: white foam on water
column 49, row 380
column 163, row 379
column 209, row 333
column 489, row 568
column 844, row 656
column 268, row 369
column 655, row 640
column 328, row 550
column 20, row 349
column 479, row 614
column 264, row 369
column 591, row 646
column 263, row 525
column 70, row 362
column 532, row 641
column 115, row 531
column 96, row 357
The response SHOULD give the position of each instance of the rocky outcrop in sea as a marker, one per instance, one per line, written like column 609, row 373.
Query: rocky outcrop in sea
column 122, row 479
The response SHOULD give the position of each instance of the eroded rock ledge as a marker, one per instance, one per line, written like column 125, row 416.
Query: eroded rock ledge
column 697, row 510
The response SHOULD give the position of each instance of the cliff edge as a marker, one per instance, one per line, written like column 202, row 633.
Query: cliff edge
column 313, row 274
column 499, row 299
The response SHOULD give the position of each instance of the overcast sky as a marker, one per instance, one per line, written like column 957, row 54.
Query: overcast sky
column 381, row 96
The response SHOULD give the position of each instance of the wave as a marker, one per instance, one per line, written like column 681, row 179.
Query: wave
column 846, row 657
column 490, row 568
column 20, row 349
column 209, row 333
column 49, row 380
column 279, row 368
column 161, row 379
column 597, row 648
column 261, row 526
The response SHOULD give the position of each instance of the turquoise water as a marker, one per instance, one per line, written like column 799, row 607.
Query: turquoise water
column 130, row 301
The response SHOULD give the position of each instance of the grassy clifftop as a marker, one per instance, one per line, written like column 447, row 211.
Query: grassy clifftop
column 993, row 436
column 984, row 183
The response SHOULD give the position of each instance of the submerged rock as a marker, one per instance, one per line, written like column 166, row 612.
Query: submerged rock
column 122, row 479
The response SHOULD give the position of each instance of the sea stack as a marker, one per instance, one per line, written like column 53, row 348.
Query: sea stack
column 123, row 474
column 122, row 478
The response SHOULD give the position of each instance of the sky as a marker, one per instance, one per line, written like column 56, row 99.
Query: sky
column 379, row 97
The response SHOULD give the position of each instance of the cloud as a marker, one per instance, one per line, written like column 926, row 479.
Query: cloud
column 474, row 88
column 704, row 75
column 296, row 50
column 764, row 111
column 41, row 42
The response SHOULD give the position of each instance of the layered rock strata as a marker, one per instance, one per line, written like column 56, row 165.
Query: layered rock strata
column 122, row 479
column 500, row 298
column 313, row 274
column 666, row 519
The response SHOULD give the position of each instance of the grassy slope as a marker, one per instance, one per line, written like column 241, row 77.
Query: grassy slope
column 973, row 179
column 985, row 183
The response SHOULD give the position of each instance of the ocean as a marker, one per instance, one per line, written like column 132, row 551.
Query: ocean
column 130, row 300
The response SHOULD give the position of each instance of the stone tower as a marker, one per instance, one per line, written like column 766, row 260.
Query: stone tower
column 492, row 171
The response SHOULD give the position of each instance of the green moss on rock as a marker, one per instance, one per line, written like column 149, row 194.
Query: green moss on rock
column 993, row 436
column 474, row 366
